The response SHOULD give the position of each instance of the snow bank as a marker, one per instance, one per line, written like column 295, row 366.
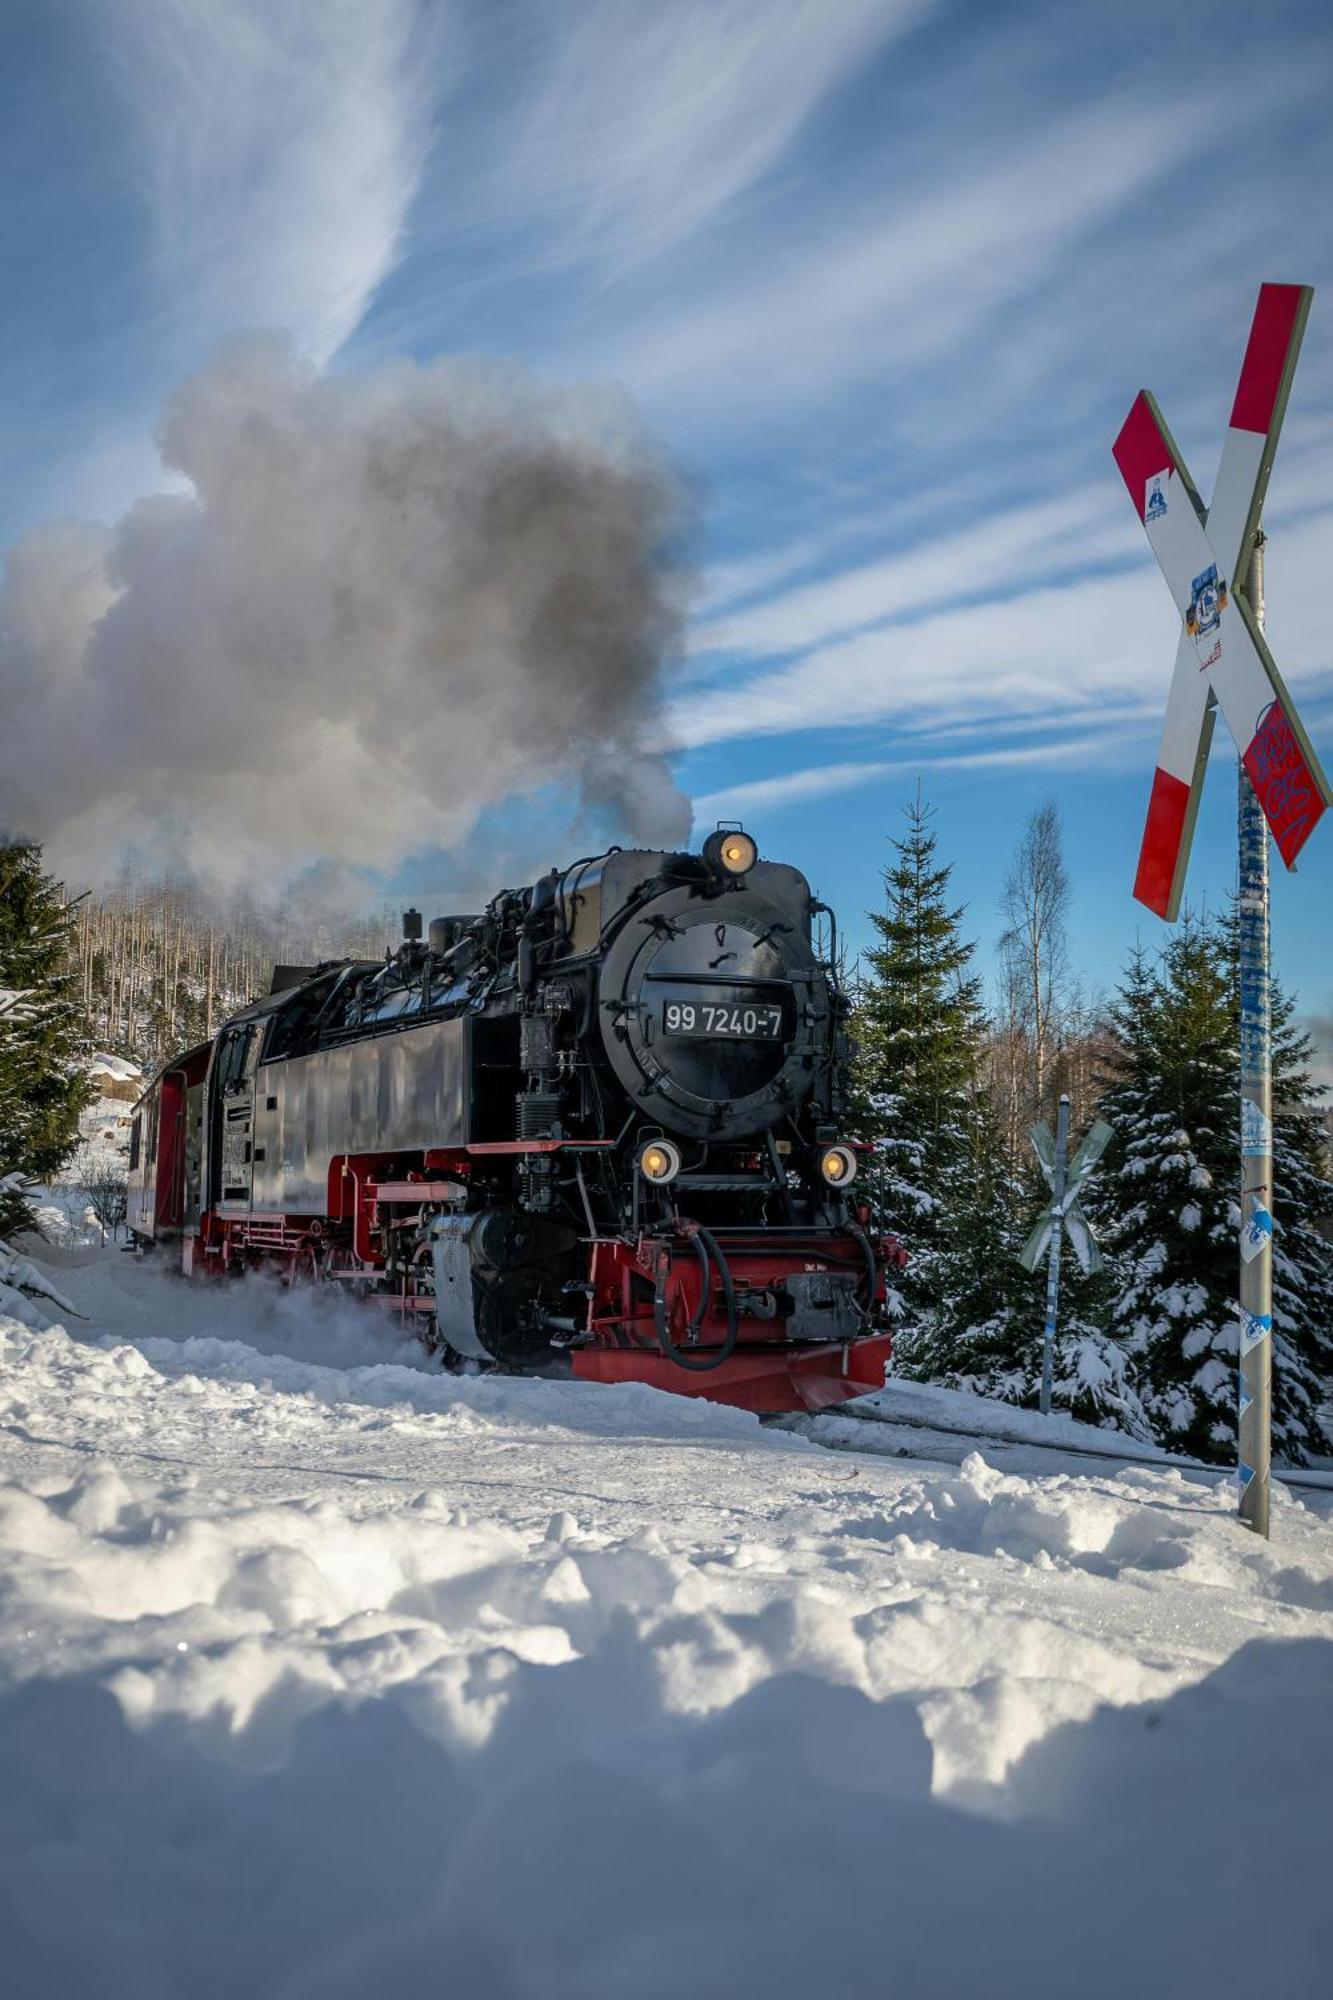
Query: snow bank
column 928, row 1406
column 343, row 1679
column 595, row 1847
column 117, row 1067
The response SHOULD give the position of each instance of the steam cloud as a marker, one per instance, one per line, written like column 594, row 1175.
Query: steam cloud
column 388, row 602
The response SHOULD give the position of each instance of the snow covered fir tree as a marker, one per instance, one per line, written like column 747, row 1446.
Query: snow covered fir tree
column 1302, row 1253
column 1165, row 1196
column 43, row 1086
column 1168, row 1203
column 982, row 1331
column 1302, row 1200
column 918, row 1028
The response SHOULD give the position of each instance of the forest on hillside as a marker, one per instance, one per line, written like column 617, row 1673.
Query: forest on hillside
column 160, row 964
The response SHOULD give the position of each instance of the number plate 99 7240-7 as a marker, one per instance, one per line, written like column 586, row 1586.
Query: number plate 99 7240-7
column 733, row 1019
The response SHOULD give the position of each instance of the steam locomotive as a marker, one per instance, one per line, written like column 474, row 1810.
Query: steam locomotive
column 596, row 1130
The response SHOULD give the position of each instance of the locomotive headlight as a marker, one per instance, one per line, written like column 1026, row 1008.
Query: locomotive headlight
column 730, row 853
column 659, row 1161
column 838, row 1166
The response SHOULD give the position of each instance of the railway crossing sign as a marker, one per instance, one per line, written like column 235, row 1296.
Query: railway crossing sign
column 1212, row 560
column 1064, row 1217
column 1221, row 655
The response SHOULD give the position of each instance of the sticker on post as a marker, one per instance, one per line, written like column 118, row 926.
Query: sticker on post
column 1256, row 1131
column 1257, row 1234
column 1254, row 1329
column 1154, row 504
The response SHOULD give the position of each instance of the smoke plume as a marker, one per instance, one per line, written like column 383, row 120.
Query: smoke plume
column 386, row 603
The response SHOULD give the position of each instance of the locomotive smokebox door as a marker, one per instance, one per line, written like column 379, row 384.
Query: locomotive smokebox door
column 709, row 1014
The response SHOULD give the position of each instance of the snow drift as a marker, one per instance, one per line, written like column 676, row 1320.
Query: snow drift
column 340, row 1680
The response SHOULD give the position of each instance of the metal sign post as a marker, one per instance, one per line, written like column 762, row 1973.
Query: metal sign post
column 1213, row 564
column 1254, row 1452
column 1063, row 1218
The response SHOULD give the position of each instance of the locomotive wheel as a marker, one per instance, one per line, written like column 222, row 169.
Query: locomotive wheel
column 304, row 1271
column 338, row 1259
column 511, row 1310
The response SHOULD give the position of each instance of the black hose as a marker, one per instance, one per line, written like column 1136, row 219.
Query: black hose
column 854, row 1229
column 705, row 1246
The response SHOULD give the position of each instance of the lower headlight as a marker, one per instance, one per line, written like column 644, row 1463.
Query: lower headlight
column 659, row 1161
column 838, row 1166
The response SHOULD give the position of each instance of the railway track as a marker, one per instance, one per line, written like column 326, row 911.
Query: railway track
column 1312, row 1481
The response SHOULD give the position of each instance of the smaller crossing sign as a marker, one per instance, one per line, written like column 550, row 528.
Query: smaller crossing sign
column 1064, row 1217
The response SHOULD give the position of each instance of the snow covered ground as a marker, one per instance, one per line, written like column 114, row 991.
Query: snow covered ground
column 323, row 1674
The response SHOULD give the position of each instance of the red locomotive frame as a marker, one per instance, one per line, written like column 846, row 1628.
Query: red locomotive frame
column 374, row 1197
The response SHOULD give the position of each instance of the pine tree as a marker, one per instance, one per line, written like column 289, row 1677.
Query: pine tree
column 918, row 1028
column 42, row 1086
column 986, row 1325
column 1302, row 1255
column 1166, row 1198
column 1302, row 1198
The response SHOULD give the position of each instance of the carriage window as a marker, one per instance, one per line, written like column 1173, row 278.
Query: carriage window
column 136, row 1131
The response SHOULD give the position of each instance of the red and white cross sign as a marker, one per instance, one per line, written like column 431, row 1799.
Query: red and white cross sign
column 1221, row 656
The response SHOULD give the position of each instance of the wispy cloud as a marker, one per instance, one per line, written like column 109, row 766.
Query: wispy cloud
column 638, row 124
column 281, row 148
column 1070, row 532
column 897, row 294
column 1047, row 651
column 820, row 780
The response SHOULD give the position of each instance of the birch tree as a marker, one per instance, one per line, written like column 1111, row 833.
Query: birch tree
column 1034, row 957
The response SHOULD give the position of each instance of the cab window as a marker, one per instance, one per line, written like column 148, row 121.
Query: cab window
column 232, row 1064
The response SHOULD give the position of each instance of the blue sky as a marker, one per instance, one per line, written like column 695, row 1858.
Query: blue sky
column 884, row 278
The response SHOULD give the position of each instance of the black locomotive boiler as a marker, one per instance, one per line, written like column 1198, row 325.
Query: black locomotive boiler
column 597, row 1129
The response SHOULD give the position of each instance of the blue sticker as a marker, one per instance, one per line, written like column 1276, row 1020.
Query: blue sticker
column 1256, row 1235
column 1254, row 1328
column 1208, row 600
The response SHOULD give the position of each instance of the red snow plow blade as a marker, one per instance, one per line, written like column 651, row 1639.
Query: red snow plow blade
column 766, row 1380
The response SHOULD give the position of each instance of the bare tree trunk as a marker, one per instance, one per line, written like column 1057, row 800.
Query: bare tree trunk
column 1033, row 946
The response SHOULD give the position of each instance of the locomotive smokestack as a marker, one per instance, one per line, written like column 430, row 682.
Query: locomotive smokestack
column 385, row 603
